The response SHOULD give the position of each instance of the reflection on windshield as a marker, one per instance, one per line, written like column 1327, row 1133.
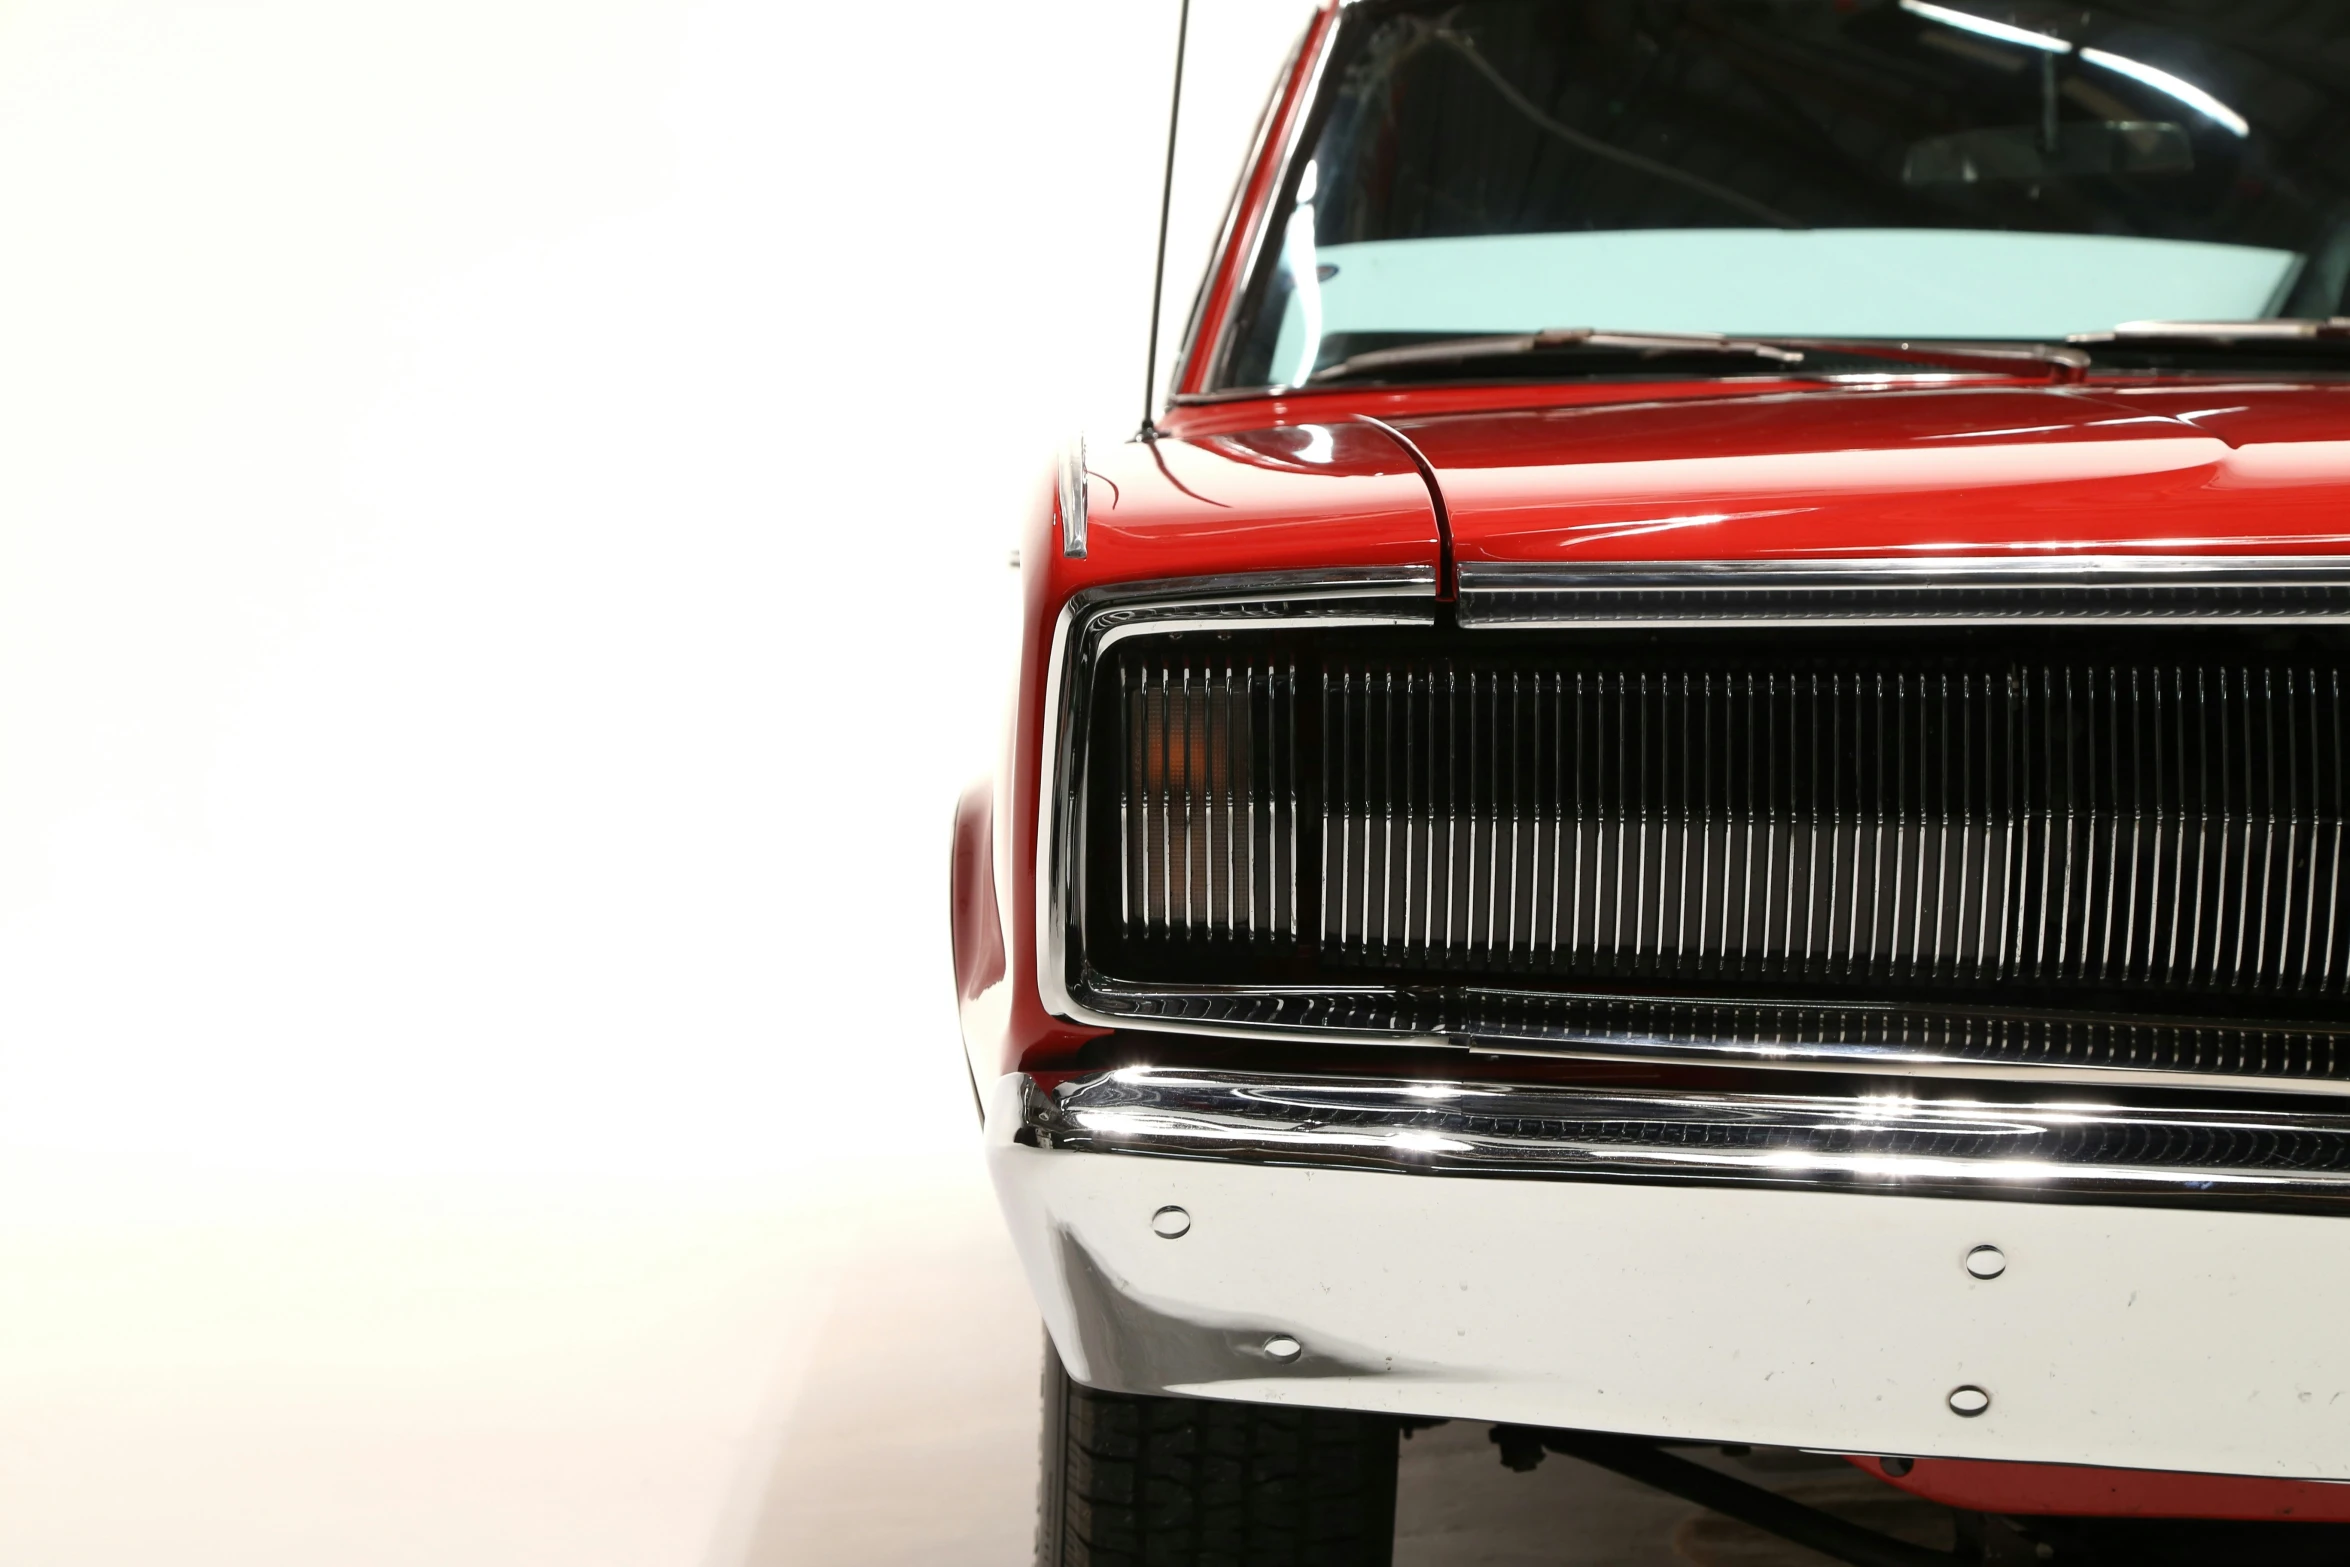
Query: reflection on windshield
column 1304, row 269
column 1901, row 169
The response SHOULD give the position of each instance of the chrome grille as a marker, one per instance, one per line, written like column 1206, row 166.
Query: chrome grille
column 2084, row 848
column 2170, row 829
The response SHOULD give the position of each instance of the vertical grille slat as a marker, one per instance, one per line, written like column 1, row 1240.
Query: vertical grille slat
column 2334, row 873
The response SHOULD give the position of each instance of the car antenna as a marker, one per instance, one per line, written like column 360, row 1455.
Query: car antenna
column 1150, row 362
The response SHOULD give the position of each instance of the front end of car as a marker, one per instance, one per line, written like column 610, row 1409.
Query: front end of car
column 1881, row 1007
column 1692, row 902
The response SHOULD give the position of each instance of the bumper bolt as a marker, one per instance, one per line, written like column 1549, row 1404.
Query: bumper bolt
column 1969, row 1401
column 1170, row 1223
column 1283, row 1348
column 1986, row 1262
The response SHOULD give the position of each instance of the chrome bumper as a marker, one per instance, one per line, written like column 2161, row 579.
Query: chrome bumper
column 1732, row 1268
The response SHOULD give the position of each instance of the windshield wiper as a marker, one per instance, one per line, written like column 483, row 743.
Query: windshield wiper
column 2061, row 364
column 1573, row 339
column 2267, row 331
column 2056, row 363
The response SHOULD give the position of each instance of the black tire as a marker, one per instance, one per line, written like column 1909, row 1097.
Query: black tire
column 1196, row 1482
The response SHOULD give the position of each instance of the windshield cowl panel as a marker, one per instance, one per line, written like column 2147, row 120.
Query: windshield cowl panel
column 1222, row 412
column 1769, row 170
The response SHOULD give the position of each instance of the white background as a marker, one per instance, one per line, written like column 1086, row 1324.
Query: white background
column 502, row 518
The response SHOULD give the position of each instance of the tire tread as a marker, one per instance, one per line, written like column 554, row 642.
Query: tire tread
column 1133, row 1481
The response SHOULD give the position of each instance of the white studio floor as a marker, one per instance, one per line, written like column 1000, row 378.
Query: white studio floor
column 472, row 1373
column 842, row 1376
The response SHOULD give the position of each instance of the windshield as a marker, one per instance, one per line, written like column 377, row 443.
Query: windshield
column 1840, row 169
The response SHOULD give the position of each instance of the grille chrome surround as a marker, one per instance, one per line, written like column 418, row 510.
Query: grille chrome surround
column 1971, row 590
column 2206, row 1156
column 1587, row 1016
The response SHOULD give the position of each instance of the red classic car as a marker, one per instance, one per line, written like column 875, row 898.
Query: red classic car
column 1691, row 790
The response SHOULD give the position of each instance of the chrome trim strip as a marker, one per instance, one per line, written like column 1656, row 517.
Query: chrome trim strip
column 1938, row 590
column 2048, row 1151
column 1337, row 1015
column 1092, row 620
column 1072, row 493
column 1309, row 102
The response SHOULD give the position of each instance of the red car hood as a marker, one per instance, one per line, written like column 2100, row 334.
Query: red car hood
column 2173, row 469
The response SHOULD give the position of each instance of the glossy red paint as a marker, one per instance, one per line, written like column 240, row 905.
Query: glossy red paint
column 976, row 928
column 1893, row 470
column 2065, row 1490
column 1296, row 497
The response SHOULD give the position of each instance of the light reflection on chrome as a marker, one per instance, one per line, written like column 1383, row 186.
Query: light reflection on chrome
column 2209, row 1155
